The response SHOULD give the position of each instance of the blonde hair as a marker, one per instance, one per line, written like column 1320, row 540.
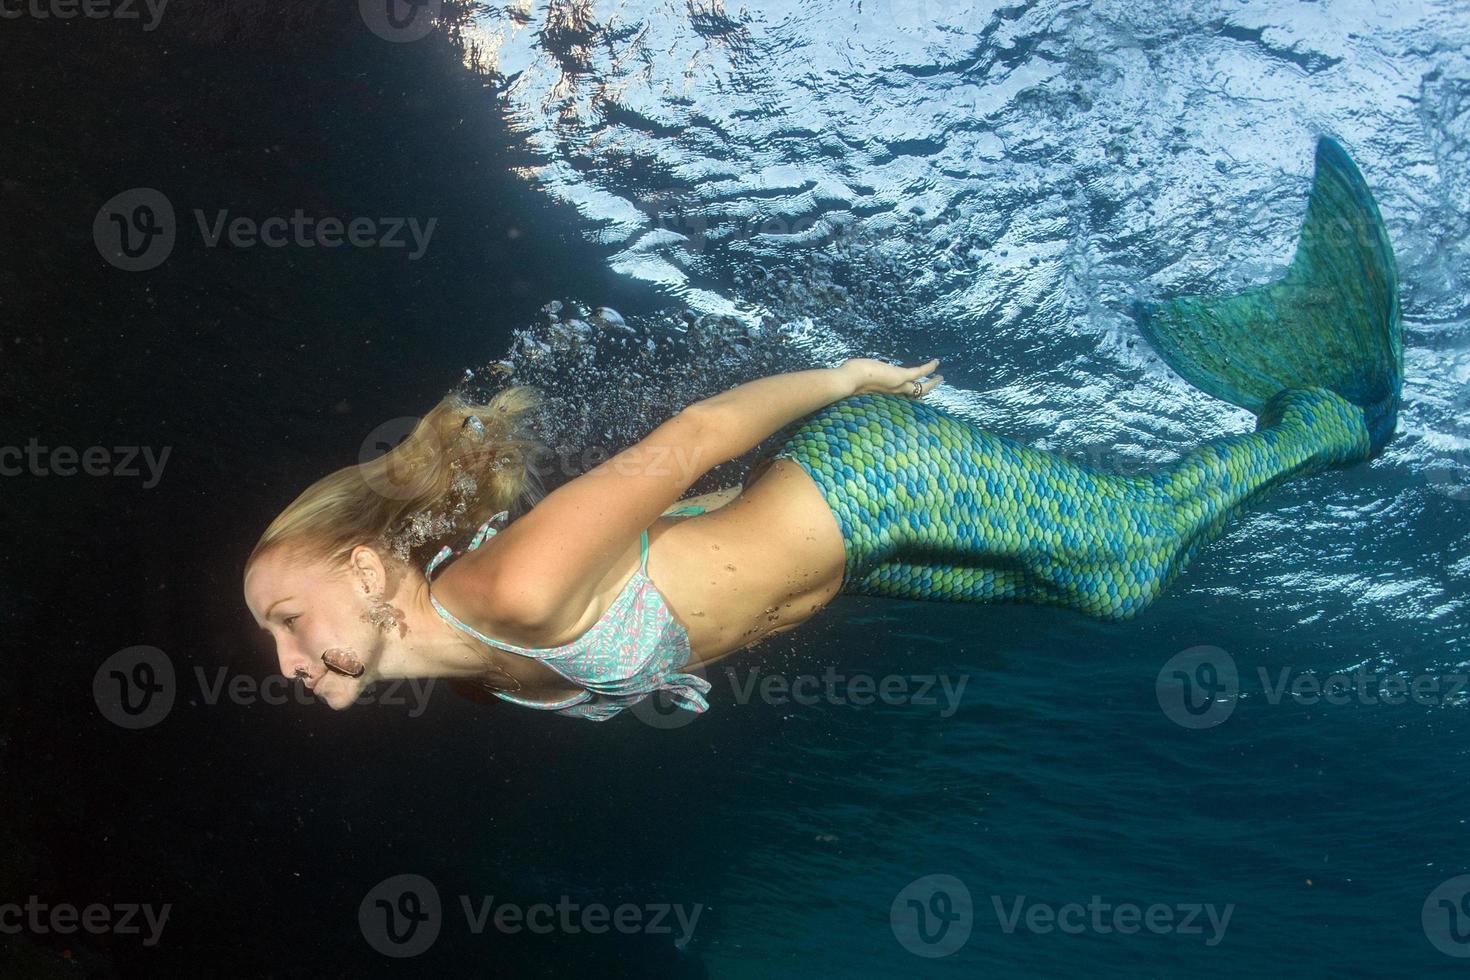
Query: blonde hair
column 460, row 465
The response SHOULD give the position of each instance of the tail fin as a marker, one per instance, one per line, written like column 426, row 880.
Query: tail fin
column 1332, row 321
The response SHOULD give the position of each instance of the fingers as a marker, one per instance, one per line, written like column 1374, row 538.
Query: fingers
column 911, row 385
column 924, row 387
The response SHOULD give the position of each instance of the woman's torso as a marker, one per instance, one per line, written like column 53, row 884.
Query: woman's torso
column 761, row 564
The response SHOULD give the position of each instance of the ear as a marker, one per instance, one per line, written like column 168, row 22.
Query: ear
column 368, row 570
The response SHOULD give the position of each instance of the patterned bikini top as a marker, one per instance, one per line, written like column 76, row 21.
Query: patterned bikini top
column 634, row 649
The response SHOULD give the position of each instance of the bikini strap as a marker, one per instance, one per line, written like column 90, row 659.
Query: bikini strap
column 643, row 558
column 484, row 533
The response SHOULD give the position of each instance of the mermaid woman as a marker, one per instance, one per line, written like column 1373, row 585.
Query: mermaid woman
column 866, row 490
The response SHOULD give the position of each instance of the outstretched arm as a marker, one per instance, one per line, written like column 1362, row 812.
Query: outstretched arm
column 542, row 571
column 739, row 419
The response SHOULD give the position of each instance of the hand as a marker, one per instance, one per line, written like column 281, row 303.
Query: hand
column 869, row 376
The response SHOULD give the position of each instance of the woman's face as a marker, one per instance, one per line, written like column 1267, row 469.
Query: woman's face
column 310, row 609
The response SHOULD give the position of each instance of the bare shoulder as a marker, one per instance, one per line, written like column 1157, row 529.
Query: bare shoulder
column 463, row 595
column 559, row 555
column 468, row 590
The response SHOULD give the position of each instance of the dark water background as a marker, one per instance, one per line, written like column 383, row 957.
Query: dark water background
column 794, row 828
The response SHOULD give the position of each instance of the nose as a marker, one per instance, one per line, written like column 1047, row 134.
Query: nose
column 292, row 661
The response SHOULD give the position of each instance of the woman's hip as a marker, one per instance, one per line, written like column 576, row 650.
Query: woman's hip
column 910, row 484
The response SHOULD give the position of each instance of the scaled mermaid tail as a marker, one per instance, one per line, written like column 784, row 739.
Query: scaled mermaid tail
column 931, row 507
column 1332, row 321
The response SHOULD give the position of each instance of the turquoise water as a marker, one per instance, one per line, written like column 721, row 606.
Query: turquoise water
column 756, row 188
column 992, row 185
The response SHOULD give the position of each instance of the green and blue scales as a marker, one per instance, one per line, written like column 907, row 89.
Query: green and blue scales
column 931, row 507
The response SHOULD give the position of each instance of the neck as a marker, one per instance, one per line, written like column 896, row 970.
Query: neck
column 431, row 647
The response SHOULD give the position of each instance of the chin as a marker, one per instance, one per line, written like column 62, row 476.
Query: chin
column 340, row 698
